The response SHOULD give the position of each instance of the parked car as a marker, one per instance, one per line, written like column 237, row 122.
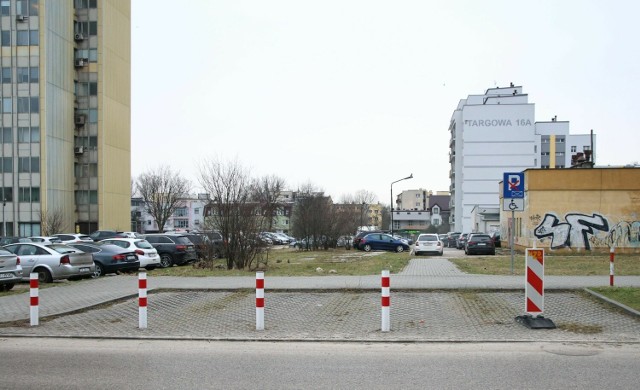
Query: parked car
column 109, row 258
column 100, row 235
column 46, row 239
column 147, row 254
column 382, row 241
column 495, row 236
column 460, row 241
column 132, row 235
column 52, row 262
column 428, row 243
column 452, row 238
column 360, row 236
column 68, row 238
column 10, row 270
column 12, row 240
column 215, row 244
column 173, row 248
column 479, row 243
column 199, row 243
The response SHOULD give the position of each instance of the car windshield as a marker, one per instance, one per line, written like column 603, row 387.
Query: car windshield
column 480, row 237
column 183, row 240
column 427, row 238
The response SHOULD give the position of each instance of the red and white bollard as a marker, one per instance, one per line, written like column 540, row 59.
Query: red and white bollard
column 260, row 300
column 534, row 291
column 142, row 300
column 612, row 254
column 34, row 314
column 386, row 301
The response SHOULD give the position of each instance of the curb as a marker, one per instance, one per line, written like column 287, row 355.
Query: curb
column 610, row 301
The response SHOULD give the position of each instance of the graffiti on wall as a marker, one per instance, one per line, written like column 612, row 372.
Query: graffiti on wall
column 586, row 231
column 575, row 232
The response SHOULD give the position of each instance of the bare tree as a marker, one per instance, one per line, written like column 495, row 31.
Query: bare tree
column 161, row 191
column 51, row 222
column 313, row 218
column 238, row 209
column 267, row 192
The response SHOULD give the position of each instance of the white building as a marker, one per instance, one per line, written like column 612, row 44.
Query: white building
column 496, row 132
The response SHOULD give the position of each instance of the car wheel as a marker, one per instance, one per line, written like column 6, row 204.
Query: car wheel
column 6, row 287
column 416, row 253
column 166, row 260
column 367, row 248
column 440, row 253
column 44, row 276
column 399, row 249
column 99, row 271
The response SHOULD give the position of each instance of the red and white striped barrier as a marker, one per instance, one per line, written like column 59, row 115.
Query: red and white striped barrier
column 142, row 300
column 534, row 291
column 386, row 301
column 612, row 254
column 259, row 300
column 34, row 314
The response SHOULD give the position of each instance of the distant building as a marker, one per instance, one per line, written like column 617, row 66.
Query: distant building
column 416, row 210
column 496, row 132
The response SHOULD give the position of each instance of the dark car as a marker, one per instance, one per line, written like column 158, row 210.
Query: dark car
column 495, row 236
column 461, row 240
column 99, row 235
column 199, row 243
column 452, row 237
column 173, row 248
column 479, row 244
column 109, row 258
column 360, row 236
column 382, row 241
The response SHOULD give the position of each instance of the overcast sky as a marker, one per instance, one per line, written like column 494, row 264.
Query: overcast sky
column 353, row 95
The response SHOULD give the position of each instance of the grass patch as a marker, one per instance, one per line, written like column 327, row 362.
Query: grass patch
column 579, row 265
column 575, row 327
column 292, row 262
column 628, row 296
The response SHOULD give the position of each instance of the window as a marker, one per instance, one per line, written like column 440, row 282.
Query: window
column 181, row 223
column 35, row 134
column 22, row 38
column 586, row 147
column 93, row 115
column 417, row 195
column 560, row 140
column 29, row 164
column 544, row 166
column 35, row 74
column 544, row 153
column 7, row 105
column 574, row 149
column 93, row 89
column 535, row 148
column 24, row 134
column 196, row 211
column 7, row 135
column 6, row 193
column 93, row 197
column 5, row 37
column 34, row 37
column 560, row 166
column 436, row 210
column 7, row 164
column 180, row 212
column 6, row 75
column 93, row 28
column 5, row 7
column 35, row 104
column 33, row 7
column 23, row 75
column 418, row 204
column 23, row 104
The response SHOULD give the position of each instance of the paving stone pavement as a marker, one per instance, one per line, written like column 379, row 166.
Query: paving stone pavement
column 431, row 301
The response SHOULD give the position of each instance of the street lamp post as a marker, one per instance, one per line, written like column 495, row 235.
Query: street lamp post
column 408, row 177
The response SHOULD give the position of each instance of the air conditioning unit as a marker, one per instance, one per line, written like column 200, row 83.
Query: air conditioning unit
column 80, row 62
column 78, row 37
column 79, row 119
column 21, row 18
column 78, row 150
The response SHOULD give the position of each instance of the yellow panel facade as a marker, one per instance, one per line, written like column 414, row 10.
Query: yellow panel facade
column 114, row 112
column 579, row 210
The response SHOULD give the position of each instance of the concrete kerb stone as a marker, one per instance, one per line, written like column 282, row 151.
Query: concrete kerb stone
column 610, row 301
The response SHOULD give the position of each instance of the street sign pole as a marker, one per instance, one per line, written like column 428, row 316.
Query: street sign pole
column 513, row 188
column 512, row 237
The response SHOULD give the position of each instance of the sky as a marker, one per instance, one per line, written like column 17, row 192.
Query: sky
column 354, row 95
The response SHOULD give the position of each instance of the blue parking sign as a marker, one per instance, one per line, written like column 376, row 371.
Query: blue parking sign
column 513, row 185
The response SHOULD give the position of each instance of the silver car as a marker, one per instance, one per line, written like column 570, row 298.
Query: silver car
column 10, row 270
column 147, row 254
column 52, row 261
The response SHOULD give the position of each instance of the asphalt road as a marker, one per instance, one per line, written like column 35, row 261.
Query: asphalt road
column 28, row 363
